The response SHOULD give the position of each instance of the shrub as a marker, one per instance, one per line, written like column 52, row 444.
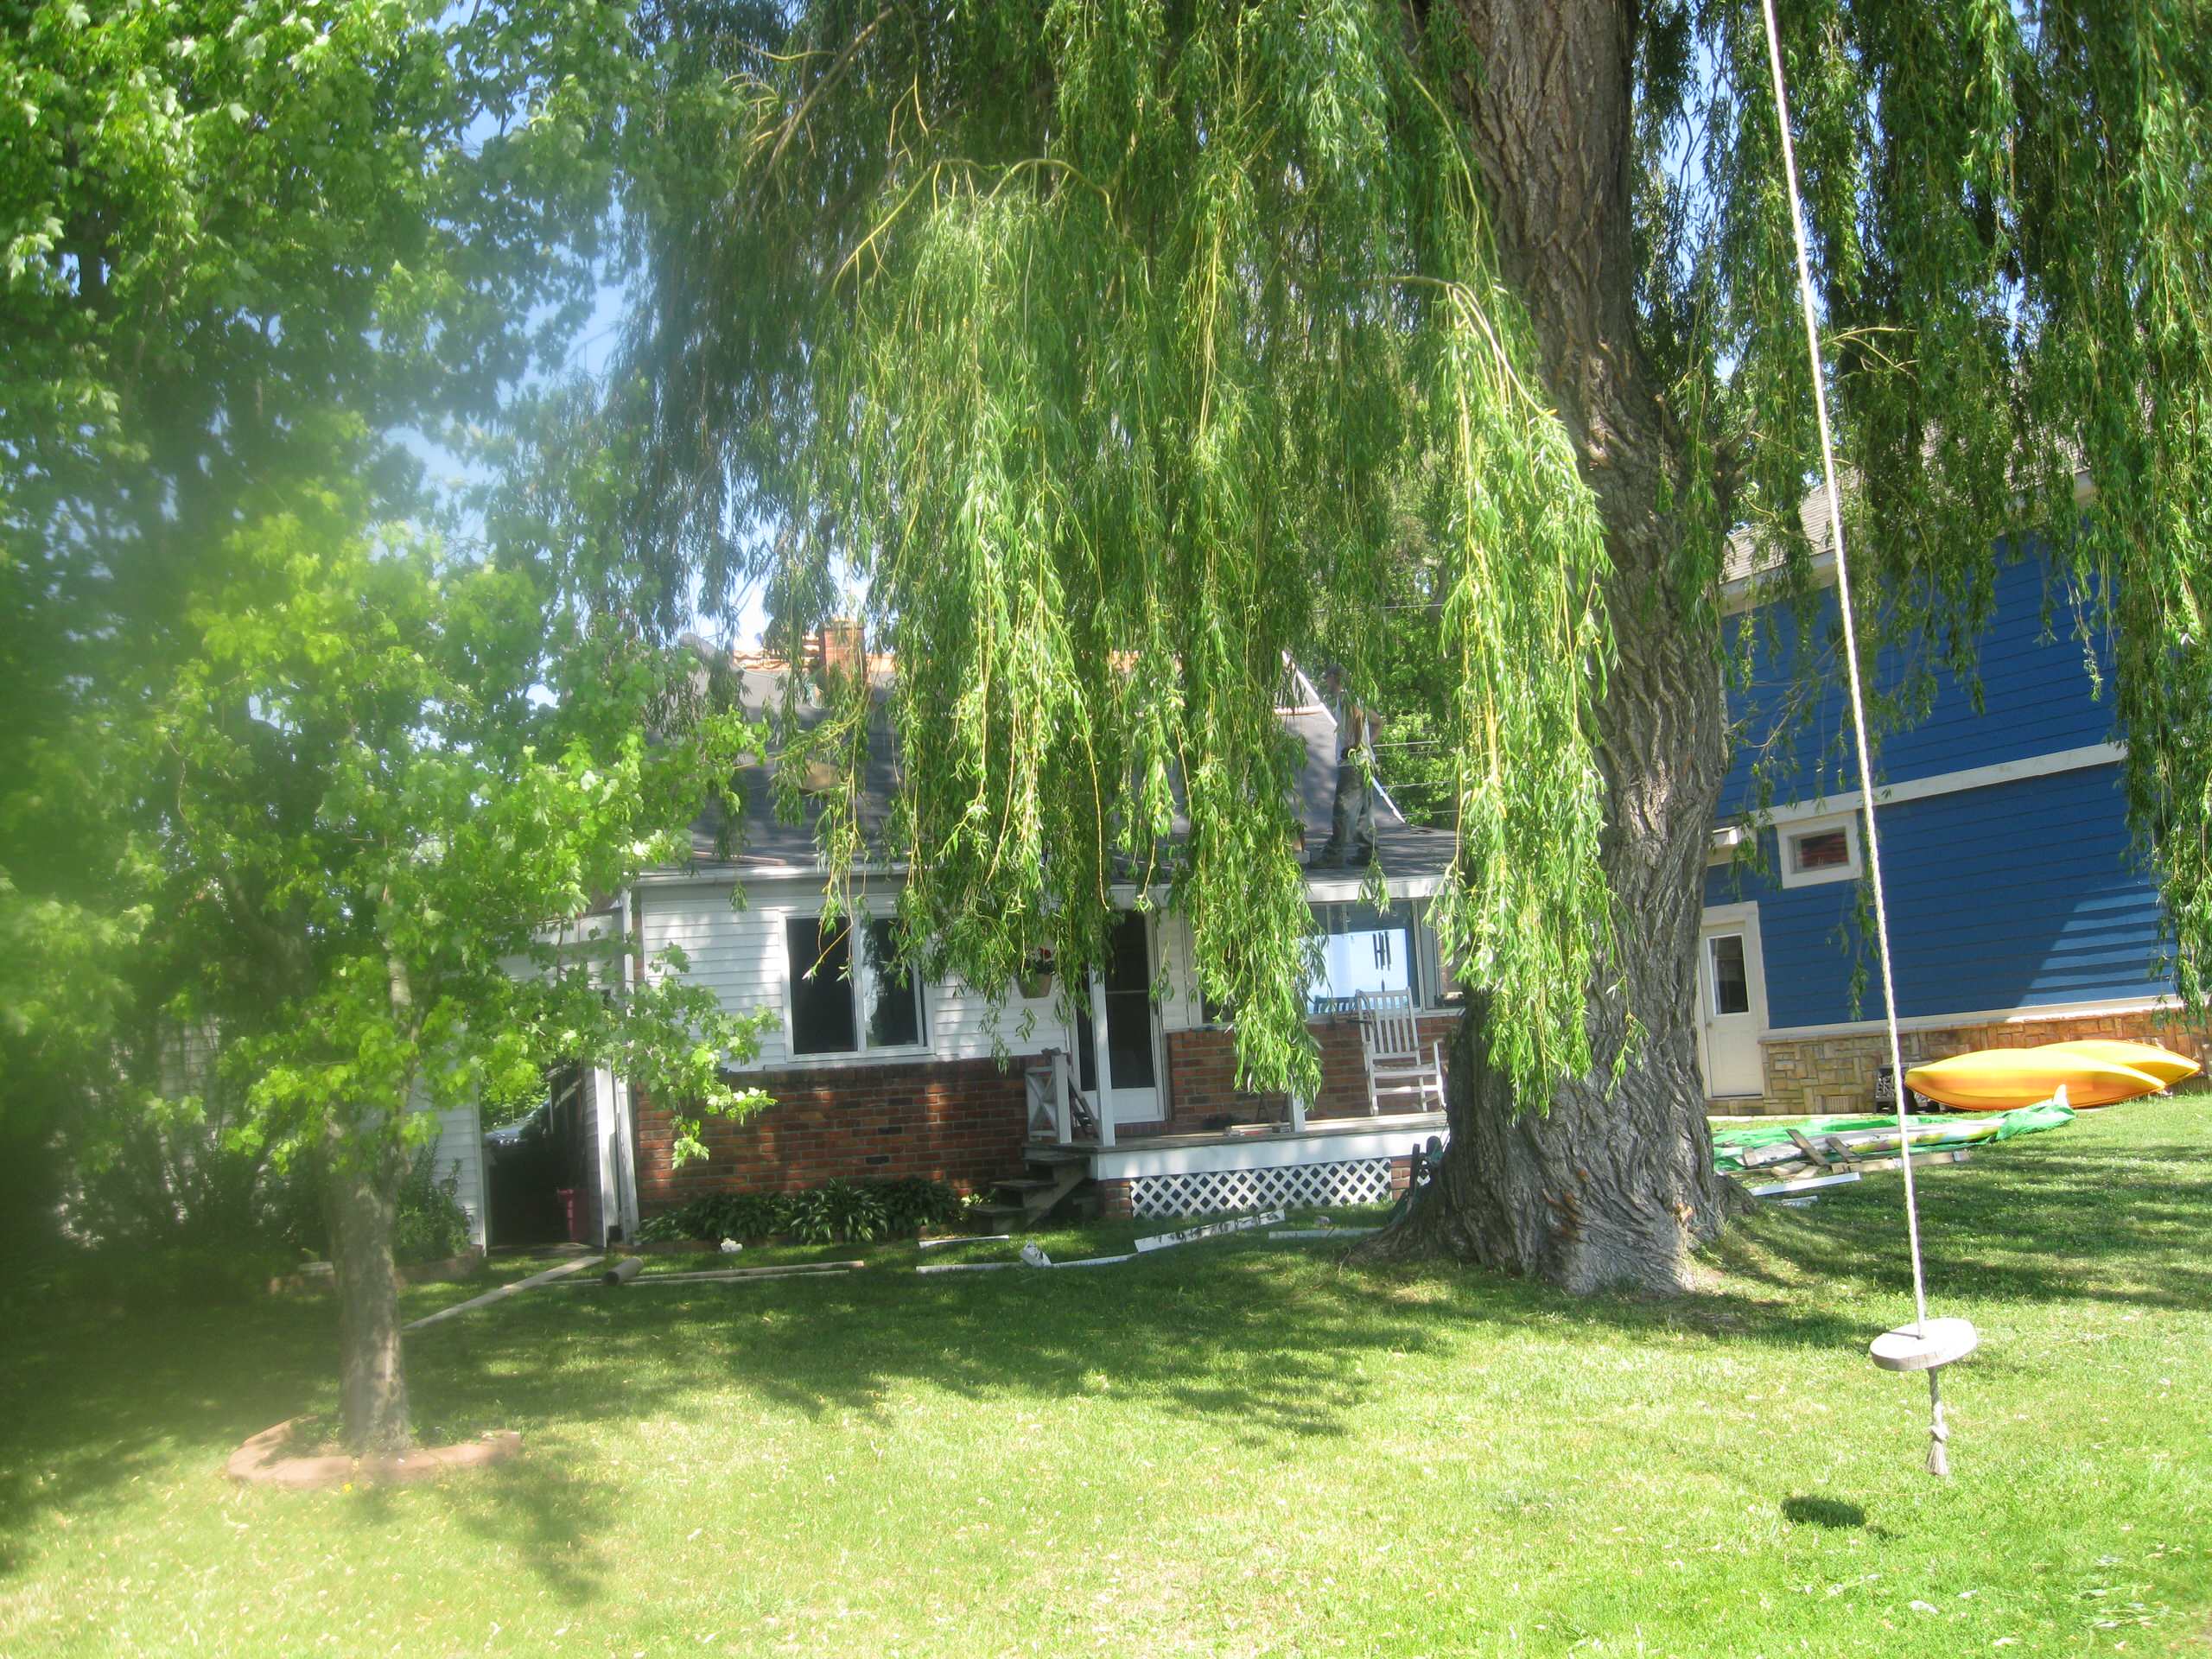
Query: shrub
column 857, row 1214
column 840, row 1213
column 725, row 1214
column 813, row 1221
column 914, row 1204
column 430, row 1225
column 666, row 1228
column 751, row 1215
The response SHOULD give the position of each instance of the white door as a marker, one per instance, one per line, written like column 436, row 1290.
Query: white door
column 1124, row 1028
column 1732, row 1003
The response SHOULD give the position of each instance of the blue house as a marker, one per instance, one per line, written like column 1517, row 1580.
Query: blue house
column 2017, row 913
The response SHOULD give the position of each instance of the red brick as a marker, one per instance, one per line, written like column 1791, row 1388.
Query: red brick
column 964, row 1122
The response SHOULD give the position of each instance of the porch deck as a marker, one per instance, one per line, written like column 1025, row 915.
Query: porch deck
column 1336, row 1161
column 1319, row 1139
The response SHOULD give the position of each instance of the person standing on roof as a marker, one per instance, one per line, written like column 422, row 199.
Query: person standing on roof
column 1351, row 831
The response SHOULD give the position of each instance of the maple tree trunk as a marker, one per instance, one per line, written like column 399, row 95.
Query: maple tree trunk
column 1608, row 1182
column 363, row 1199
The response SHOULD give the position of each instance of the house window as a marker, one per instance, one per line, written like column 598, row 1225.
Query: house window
column 895, row 1009
column 828, row 995
column 1820, row 849
column 1363, row 949
column 1828, row 850
column 1731, row 982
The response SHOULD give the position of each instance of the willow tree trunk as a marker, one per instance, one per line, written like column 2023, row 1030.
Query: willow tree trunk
column 363, row 1200
column 1608, row 1182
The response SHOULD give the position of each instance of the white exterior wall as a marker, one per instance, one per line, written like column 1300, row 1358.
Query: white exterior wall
column 1183, row 1008
column 461, row 1152
column 606, row 1119
column 740, row 955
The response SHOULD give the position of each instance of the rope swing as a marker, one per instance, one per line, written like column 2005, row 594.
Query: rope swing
column 1925, row 1344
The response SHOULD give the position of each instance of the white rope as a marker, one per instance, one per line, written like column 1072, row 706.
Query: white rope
column 1938, row 1432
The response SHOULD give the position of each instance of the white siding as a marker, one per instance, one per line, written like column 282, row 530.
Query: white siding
column 608, row 1121
column 460, row 1153
column 1184, row 1010
column 740, row 954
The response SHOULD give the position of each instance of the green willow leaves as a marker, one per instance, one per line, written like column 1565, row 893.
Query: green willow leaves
column 1108, row 348
column 2009, row 203
column 1102, row 346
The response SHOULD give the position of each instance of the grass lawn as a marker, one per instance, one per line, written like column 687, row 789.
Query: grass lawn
column 1226, row 1449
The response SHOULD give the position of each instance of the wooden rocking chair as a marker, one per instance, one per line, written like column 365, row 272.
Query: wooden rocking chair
column 1389, row 1041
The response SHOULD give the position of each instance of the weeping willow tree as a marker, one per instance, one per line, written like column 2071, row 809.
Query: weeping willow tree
column 1107, row 348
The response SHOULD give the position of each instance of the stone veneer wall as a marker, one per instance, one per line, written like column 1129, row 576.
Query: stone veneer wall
column 1837, row 1074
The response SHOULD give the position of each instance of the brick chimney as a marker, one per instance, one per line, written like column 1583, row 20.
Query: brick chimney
column 843, row 647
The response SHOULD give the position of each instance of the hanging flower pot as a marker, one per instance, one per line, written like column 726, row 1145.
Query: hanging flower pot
column 1036, row 980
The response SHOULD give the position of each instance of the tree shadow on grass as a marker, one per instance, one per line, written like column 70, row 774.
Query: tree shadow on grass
column 2103, row 1221
column 536, row 1505
column 1269, row 1345
column 89, row 1404
column 1832, row 1514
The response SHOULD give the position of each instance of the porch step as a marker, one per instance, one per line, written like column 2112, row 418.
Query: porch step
column 1048, row 1152
column 1032, row 1197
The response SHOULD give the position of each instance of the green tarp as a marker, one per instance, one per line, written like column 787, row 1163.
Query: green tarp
column 1729, row 1145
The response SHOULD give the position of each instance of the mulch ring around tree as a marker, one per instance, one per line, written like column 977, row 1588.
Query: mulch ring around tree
column 264, row 1461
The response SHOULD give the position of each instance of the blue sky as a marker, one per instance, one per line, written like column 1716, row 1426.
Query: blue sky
column 591, row 354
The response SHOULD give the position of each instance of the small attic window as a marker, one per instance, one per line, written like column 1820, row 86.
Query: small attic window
column 1820, row 849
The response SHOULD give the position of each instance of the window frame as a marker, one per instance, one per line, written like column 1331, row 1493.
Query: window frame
column 860, row 985
column 1803, row 829
column 1417, row 975
column 1710, row 938
column 1434, row 990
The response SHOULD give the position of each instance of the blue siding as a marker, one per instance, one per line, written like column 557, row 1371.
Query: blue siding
column 2008, row 896
column 2036, row 697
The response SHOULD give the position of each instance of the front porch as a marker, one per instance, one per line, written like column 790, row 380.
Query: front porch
column 1328, row 1161
column 1302, row 1161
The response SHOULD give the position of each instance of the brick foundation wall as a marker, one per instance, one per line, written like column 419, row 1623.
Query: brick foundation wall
column 1836, row 1074
column 1202, row 1072
column 964, row 1122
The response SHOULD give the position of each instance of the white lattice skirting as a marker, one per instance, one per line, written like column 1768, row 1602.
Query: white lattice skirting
column 1226, row 1191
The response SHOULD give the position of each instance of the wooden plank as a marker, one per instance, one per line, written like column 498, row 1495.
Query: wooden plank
column 503, row 1291
column 1790, row 1172
column 1920, row 1160
column 1825, row 1159
column 1805, row 1184
column 994, row 1267
column 1211, row 1230
column 731, row 1275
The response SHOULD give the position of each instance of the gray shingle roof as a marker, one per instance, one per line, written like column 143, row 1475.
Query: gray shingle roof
column 767, row 845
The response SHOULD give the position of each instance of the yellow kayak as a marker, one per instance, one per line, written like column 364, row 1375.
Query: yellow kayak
column 2004, row 1079
column 2168, row 1067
